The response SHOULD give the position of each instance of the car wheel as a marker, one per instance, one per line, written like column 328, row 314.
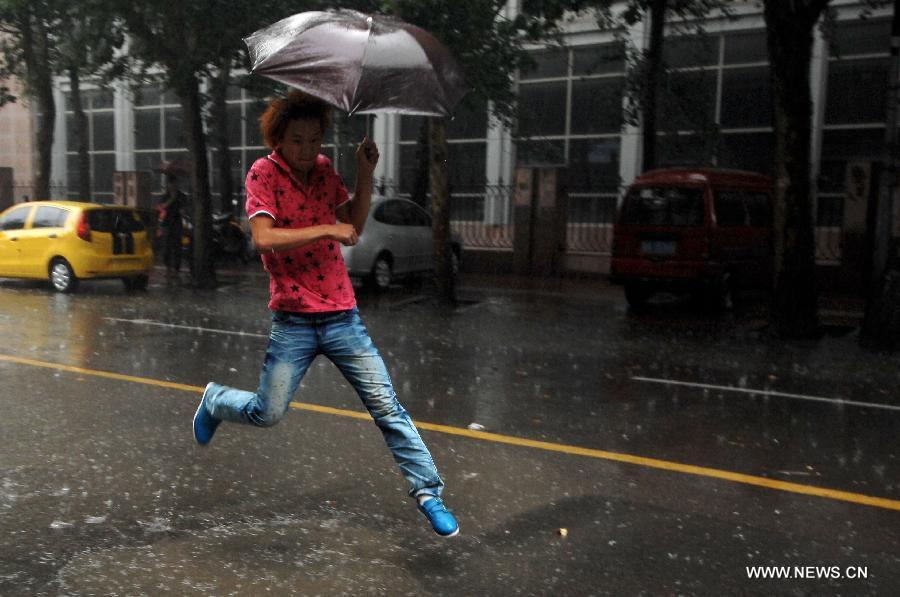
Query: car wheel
column 136, row 282
column 62, row 276
column 637, row 294
column 382, row 272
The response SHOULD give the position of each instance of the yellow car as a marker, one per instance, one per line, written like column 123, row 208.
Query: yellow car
column 66, row 241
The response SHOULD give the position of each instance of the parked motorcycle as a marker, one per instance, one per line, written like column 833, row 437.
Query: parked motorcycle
column 229, row 241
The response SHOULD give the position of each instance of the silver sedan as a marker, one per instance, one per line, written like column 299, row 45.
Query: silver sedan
column 397, row 241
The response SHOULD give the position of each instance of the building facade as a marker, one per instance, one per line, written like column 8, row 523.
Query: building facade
column 715, row 110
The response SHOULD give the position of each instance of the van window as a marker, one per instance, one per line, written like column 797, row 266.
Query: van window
column 663, row 206
column 759, row 208
column 114, row 220
column 730, row 210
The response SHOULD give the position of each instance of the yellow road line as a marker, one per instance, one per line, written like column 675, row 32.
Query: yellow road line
column 666, row 465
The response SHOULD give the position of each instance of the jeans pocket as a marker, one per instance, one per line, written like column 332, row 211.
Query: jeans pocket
column 280, row 317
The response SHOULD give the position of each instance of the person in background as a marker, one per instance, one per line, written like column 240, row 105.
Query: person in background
column 300, row 213
column 169, row 208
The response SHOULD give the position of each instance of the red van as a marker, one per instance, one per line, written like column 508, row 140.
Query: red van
column 700, row 230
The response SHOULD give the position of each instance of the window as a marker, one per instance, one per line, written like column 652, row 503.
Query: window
column 114, row 220
column 418, row 217
column 466, row 150
column 15, row 220
column 594, row 165
column 465, row 165
column 100, row 140
column 857, row 89
column 746, row 98
column 748, row 46
column 747, row 151
column 598, row 60
column 691, row 51
column 861, row 37
column 759, row 209
column 49, row 217
column 542, row 109
column 597, row 105
column 392, row 213
column 688, row 101
column 548, row 64
column 469, row 122
column 664, row 206
column 730, row 210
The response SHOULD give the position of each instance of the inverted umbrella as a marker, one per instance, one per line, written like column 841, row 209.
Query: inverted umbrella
column 359, row 63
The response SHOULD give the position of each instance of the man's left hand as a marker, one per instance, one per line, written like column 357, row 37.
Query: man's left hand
column 367, row 156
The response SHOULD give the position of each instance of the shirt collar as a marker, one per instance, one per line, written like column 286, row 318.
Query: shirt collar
column 318, row 168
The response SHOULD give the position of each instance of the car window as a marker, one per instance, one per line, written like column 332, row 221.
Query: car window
column 49, row 217
column 418, row 216
column 391, row 213
column 114, row 220
column 663, row 206
column 759, row 208
column 730, row 210
column 15, row 220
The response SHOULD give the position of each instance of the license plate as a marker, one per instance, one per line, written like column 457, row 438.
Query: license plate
column 658, row 247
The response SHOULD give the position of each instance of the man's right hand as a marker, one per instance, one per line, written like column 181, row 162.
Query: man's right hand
column 345, row 234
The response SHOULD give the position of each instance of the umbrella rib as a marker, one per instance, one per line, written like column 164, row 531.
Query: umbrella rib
column 362, row 63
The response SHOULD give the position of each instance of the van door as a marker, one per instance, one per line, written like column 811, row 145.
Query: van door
column 759, row 213
column 731, row 243
column 663, row 223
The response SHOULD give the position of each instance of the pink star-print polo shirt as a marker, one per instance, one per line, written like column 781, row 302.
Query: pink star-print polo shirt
column 312, row 278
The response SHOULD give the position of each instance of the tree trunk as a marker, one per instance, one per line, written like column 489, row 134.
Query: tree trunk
column 203, row 271
column 36, row 55
column 440, row 210
column 81, row 132
column 794, row 305
column 219, row 113
column 652, row 67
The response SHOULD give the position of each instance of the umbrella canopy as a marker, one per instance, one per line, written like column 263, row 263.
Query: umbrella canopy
column 359, row 63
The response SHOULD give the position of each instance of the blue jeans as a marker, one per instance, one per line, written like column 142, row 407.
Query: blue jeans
column 294, row 342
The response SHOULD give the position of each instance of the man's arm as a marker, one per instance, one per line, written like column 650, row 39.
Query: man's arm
column 355, row 212
column 266, row 237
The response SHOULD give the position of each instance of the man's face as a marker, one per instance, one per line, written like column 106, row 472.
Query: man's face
column 301, row 144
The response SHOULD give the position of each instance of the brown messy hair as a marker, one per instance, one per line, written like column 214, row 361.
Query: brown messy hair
column 296, row 106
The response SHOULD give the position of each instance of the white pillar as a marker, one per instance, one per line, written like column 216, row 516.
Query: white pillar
column 123, row 118
column 500, row 156
column 58, row 179
column 386, row 133
column 818, row 82
column 630, row 150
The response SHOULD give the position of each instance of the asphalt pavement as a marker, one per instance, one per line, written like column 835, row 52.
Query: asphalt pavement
column 587, row 450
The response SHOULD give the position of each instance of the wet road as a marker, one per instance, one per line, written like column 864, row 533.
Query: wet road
column 772, row 455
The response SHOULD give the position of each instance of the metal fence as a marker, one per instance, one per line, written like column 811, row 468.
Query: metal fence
column 484, row 220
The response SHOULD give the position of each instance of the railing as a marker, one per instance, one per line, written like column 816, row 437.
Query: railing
column 483, row 220
column 589, row 228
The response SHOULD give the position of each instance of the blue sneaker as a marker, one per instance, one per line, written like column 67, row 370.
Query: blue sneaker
column 204, row 423
column 442, row 521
